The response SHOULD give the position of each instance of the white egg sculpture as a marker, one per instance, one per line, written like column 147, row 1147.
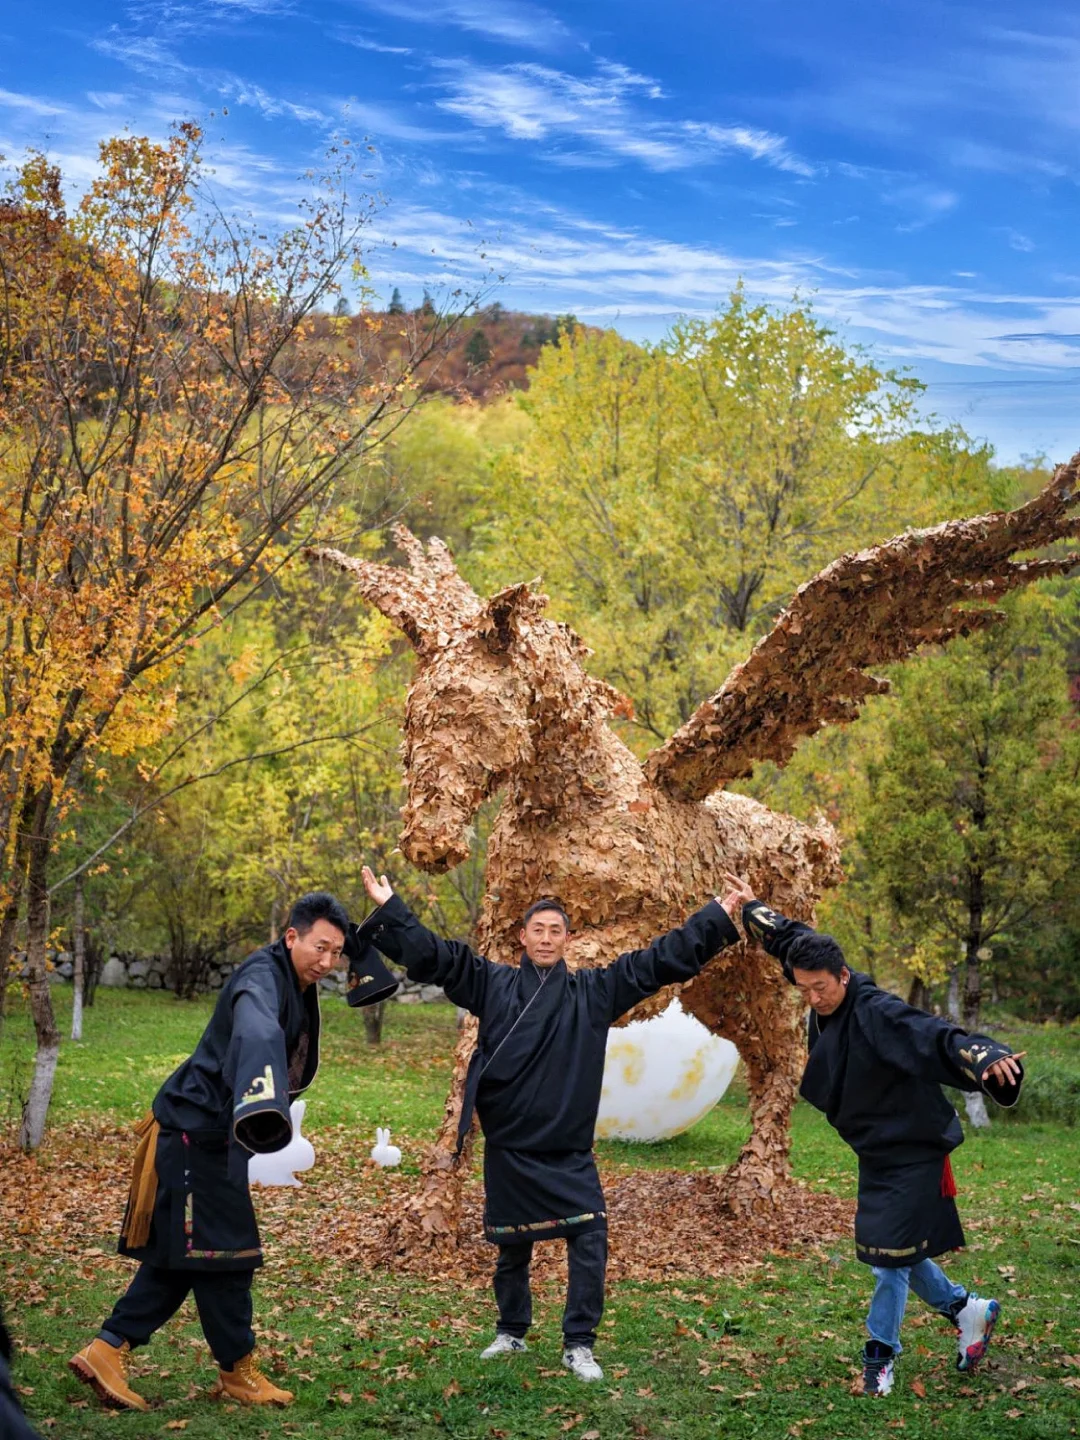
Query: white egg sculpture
column 661, row 1076
column 279, row 1166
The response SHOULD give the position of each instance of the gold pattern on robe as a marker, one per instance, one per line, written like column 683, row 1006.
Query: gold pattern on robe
column 262, row 1088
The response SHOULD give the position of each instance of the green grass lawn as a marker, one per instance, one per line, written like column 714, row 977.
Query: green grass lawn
column 770, row 1352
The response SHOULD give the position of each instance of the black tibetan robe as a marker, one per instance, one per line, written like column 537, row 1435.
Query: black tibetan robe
column 875, row 1068
column 259, row 1051
column 535, row 1078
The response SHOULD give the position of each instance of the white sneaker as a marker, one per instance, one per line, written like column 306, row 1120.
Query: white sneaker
column 503, row 1344
column 579, row 1360
column 974, row 1327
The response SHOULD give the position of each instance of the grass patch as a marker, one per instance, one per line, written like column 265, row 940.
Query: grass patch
column 770, row 1353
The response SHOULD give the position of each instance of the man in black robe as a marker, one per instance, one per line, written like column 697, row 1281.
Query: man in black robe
column 534, row 1082
column 190, row 1220
column 875, row 1068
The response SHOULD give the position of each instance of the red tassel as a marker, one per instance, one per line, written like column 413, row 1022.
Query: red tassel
column 948, row 1183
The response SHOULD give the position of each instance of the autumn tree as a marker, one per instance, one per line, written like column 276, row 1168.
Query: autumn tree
column 168, row 416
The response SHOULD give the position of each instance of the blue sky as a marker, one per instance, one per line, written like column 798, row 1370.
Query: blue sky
column 912, row 167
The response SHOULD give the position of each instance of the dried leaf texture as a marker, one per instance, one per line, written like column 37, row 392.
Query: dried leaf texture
column 501, row 701
column 873, row 607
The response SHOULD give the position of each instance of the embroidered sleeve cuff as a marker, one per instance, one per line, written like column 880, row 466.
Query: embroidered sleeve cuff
column 758, row 920
column 262, row 1131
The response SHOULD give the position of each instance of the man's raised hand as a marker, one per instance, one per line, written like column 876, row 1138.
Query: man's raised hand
column 379, row 891
column 739, row 891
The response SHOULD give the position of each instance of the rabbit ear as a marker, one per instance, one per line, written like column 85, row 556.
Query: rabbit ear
column 380, row 1137
column 388, row 1137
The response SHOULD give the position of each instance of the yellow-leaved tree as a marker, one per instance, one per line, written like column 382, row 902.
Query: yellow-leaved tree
column 674, row 495
column 173, row 422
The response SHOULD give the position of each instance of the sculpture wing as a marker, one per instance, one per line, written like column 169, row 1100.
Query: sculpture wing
column 871, row 607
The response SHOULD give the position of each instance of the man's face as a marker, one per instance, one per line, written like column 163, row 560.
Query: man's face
column 316, row 952
column 544, row 938
column 822, row 991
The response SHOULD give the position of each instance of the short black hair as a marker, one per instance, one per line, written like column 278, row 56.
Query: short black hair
column 546, row 904
column 813, row 950
column 318, row 905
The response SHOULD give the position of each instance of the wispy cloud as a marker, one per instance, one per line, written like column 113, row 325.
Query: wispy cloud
column 600, row 115
column 554, row 262
column 359, row 41
column 515, row 22
column 30, row 104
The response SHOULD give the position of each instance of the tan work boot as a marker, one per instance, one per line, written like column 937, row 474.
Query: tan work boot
column 246, row 1382
column 105, row 1367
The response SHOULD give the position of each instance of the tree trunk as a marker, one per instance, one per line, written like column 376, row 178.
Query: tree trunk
column 9, row 921
column 373, row 1022
column 952, row 995
column 41, row 1007
column 431, row 1218
column 975, row 1105
column 78, row 979
column 919, row 994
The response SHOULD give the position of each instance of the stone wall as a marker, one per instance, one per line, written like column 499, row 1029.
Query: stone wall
column 130, row 972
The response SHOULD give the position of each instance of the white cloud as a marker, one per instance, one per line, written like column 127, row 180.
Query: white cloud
column 1019, row 241
column 760, row 144
column 29, row 104
column 344, row 36
column 599, row 115
column 556, row 262
column 513, row 21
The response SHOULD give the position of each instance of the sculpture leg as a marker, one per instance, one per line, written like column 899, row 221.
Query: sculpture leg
column 430, row 1219
column 765, row 1025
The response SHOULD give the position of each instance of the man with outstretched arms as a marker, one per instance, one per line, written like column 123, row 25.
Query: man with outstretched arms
column 534, row 1082
column 875, row 1068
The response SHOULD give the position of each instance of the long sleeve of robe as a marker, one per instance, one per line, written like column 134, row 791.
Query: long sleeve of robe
column 430, row 960
column 673, row 958
column 257, row 1072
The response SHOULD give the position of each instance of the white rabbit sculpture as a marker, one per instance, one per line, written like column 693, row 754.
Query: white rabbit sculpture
column 277, row 1168
column 382, row 1152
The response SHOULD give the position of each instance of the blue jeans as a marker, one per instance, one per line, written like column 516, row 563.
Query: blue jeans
column 891, row 1287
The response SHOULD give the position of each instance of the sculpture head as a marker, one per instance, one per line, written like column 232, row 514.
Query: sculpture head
column 467, row 725
column 497, row 684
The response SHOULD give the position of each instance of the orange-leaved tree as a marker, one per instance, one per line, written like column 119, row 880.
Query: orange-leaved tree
column 172, row 421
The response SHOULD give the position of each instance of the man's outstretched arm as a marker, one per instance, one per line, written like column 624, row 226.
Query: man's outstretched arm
column 676, row 956
column 427, row 958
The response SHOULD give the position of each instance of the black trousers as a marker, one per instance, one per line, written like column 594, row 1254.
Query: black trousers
column 586, row 1257
column 223, row 1298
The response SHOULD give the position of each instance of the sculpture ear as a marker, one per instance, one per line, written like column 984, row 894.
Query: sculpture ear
column 503, row 614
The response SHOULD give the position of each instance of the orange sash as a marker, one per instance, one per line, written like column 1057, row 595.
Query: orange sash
column 135, row 1231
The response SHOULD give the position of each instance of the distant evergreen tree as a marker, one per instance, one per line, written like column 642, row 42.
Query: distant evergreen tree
column 478, row 349
column 397, row 305
column 342, row 307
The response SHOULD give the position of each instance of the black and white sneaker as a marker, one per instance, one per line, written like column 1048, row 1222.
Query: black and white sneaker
column 503, row 1344
column 579, row 1360
column 879, row 1362
column 974, row 1326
